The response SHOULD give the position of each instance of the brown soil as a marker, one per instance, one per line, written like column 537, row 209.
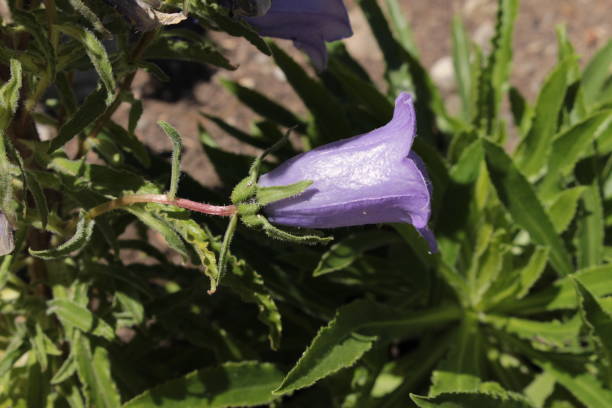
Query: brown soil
column 587, row 22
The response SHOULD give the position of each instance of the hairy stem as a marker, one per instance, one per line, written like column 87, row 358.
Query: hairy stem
column 125, row 201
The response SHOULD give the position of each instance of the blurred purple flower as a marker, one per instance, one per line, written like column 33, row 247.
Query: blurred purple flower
column 367, row 179
column 309, row 23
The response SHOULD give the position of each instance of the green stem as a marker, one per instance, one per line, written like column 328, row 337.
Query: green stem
column 227, row 240
column 227, row 210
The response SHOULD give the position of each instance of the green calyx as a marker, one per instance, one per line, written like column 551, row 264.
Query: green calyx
column 249, row 199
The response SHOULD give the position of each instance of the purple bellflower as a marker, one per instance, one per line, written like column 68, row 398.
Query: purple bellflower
column 367, row 179
column 309, row 23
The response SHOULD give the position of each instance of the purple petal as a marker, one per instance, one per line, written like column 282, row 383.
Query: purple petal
column 309, row 23
column 367, row 179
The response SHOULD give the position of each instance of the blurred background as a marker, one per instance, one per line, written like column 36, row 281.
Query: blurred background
column 195, row 89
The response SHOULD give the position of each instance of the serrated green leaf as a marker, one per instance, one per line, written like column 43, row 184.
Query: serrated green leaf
column 585, row 386
column 197, row 237
column 41, row 43
column 571, row 145
column 562, row 294
column 462, row 65
column 532, row 154
column 244, row 384
column 343, row 253
column 249, row 285
column 65, row 371
column 72, row 314
column 563, row 208
column 520, row 200
column 77, row 242
column 590, row 234
column 94, row 371
column 460, row 371
column 550, row 334
column 9, row 97
column 599, row 323
column 540, row 389
column 533, row 270
column 14, row 350
column 96, row 53
column 596, row 73
column 494, row 76
column 351, row 333
column 472, row 400
column 89, row 111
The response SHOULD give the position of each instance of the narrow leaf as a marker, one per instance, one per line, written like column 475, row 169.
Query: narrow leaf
column 351, row 333
column 77, row 242
column 95, row 374
column 96, row 53
column 243, row 384
column 596, row 73
column 74, row 315
column 519, row 198
column 175, row 137
column 348, row 250
column 533, row 151
column 471, row 400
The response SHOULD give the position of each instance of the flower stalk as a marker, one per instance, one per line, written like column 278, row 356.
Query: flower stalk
column 223, row 211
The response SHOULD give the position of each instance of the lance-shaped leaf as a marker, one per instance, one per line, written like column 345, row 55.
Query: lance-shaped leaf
column 599, row 323
column 72, row 314
column 596, row 73
column 472, row 400
column 347, row 251
column 243, row 384
column 9, row 97
column 81, row 237
column 175, row 137
column 522, row 203
column 353, row 332
column 533, row 151
column 461, row 370
column 96, row 53
column 94, row 369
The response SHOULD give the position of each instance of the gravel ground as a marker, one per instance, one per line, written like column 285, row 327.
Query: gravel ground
column 587, row 22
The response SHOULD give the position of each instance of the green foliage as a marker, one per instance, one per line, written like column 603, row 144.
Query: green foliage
column 108, row 301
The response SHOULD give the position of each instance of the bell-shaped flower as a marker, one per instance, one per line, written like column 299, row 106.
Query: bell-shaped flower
column 367, row 179
column 309, row 23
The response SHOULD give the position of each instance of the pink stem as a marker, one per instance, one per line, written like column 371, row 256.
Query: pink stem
column 224, row 211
